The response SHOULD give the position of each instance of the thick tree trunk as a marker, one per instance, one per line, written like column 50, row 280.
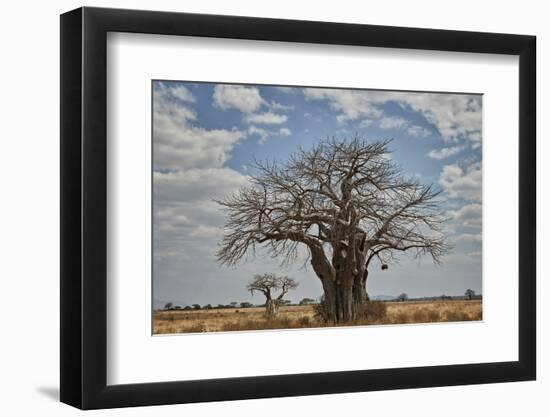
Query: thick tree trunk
column 271, row 308
column 360, row 296
column 345, row 297
column 344, row 283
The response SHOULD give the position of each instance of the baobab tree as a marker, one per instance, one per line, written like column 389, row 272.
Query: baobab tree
column 267, row 284
column 348, row 203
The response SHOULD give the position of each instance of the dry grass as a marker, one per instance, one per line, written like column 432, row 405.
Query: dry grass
column 293, row 317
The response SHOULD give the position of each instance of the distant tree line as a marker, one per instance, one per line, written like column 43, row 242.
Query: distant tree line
column 469, row 294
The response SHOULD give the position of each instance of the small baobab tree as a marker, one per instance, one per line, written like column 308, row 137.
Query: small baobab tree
column 469, row 294
column 348, row 203
column 268, row 284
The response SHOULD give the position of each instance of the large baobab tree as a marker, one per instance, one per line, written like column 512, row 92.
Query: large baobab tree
column 348, row 203
column 267, row 284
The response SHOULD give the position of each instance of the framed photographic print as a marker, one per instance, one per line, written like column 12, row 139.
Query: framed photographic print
column 319, row 194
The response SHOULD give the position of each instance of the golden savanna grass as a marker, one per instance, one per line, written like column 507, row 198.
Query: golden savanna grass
column 294, row 317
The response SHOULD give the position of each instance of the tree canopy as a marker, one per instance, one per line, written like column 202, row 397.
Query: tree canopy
column 348, row 202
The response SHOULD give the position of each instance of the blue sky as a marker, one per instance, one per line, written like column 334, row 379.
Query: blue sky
column 206, row 135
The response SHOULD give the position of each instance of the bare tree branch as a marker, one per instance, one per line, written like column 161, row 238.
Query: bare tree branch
column 346, row 201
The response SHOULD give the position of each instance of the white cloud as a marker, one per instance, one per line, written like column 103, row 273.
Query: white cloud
column 445, row 152
column 456, row 116
column 262, row 133
column 462, row 184
column 196, row 184
column 351, row 104
column 176, row 91
column 398, row 123
column 245, row 99
column 266, row 118
column 475, row 138
column 418, row 131
column 392, row 122
column 468, row 215
column 469, row 237
column 282, row 107
column 187, row 222
column 183, row 94
column 366, row 123
column 180, row 145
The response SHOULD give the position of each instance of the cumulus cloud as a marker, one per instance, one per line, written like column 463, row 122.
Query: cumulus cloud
column 245, row 99
column 282, row 107
column 399, row 123
column 179, row 144
column 468, row 215
column 351, row 104
column 469, row 237
column 187, row 222
column 418, row 131
column 462, row 184
column 267, row 118
column 177, row 91
column 475, row 138
column 456, row 116
column 196, row 184
column 366, row 123
column 392, row 122
column 262, row 133
column 445, row 152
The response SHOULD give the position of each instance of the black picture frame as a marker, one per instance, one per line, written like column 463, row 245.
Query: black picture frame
column 84, row 207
